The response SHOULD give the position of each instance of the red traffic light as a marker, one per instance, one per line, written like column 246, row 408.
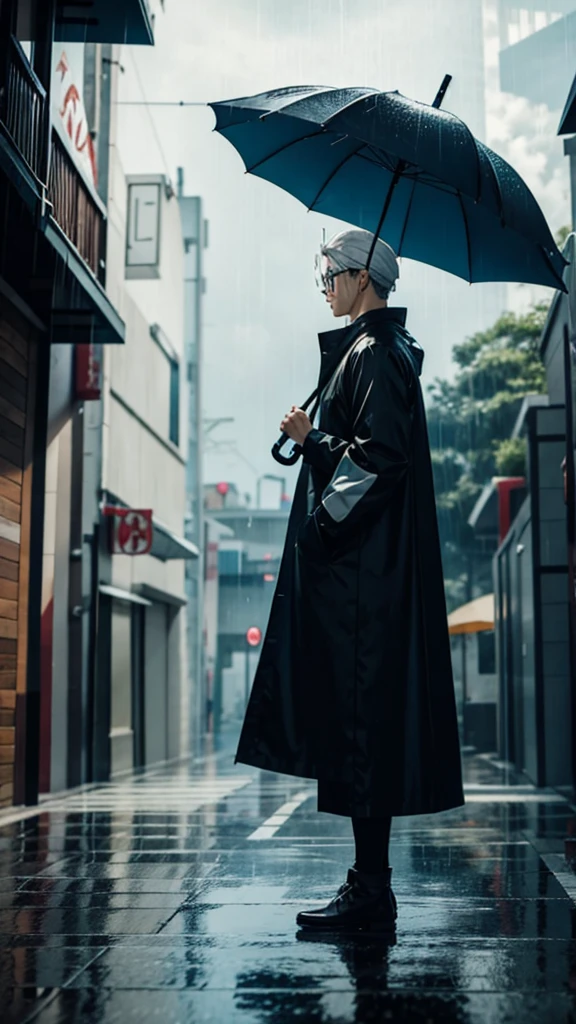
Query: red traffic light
column 253, row 636
column 223, row 488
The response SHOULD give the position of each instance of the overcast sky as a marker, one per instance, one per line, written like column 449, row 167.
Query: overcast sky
column 262, row 310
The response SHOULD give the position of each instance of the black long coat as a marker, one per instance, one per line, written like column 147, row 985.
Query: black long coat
column 354, row 685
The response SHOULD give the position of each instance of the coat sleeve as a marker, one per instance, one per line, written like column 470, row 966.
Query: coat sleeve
column 365, row 471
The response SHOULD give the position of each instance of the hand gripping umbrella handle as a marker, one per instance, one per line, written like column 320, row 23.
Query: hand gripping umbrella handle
column 290, row 460
column 286, row 460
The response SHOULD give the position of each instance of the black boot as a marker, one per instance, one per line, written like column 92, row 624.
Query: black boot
column 364, row 901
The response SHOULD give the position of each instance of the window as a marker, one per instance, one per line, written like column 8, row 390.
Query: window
column 174, row 401
column 166, row 347
column 486, row 653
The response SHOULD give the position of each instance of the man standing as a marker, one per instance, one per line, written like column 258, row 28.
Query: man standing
column 354, row 686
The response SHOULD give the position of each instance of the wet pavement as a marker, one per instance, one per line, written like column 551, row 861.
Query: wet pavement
column 170, row 896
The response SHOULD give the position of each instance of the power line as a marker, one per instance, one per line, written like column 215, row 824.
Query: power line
column 228, row 448
column 150, row 118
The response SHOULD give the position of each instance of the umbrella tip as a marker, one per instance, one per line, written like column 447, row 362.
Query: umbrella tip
column 442, row 91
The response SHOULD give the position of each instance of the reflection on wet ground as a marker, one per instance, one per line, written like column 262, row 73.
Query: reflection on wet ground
column 154, row 898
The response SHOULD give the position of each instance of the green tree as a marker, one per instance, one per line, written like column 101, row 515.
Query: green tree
column 470, row 421
column 510, row 457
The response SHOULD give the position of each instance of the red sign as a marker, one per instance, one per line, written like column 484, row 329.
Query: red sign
column 88, row 385
column 253, row 636
column 132, row 530
column 504, row 488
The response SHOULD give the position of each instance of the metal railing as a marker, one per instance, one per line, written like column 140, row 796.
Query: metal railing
column 75, row 206
column 23, row 109
column 76, row 209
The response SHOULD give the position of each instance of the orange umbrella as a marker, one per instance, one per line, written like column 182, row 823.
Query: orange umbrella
column 474, row 617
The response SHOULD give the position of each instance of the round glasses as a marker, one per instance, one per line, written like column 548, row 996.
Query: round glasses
column 325, row 275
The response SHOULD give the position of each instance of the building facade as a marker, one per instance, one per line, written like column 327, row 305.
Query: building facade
column 537, row 49
column 53, row 304
column 142, row 681
column 247, row 547
column 535, row 661
column 95, row 350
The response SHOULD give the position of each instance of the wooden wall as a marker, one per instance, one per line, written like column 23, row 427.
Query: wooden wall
column 16, row 341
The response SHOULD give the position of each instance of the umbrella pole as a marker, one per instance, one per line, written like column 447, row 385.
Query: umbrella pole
column 400, row 168
column 397, row 175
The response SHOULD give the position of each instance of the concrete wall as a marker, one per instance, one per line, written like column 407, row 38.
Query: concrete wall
column 143, row 468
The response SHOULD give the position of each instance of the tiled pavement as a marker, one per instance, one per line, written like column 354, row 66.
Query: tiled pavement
column 171, row 896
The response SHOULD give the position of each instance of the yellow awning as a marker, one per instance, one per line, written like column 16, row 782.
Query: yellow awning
column 474, row 617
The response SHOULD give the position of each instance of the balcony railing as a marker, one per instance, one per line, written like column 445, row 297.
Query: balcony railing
column 76, row 209
column 23, row 109
column 74, row 203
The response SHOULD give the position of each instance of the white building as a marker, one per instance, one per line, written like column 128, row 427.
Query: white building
column 144, row 467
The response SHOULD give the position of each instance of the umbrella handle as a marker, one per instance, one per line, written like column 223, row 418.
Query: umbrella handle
column 286, row 460
column 291, row 460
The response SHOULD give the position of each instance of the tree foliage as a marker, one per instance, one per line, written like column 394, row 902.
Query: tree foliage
column 471, row 418
column 510, row 457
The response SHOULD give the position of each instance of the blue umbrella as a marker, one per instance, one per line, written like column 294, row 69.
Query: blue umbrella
column 409, row 172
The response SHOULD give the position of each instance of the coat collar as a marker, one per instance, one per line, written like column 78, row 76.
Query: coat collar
column 334, row 344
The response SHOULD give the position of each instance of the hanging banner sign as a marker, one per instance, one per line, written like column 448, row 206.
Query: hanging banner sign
column 68, row 107
column 131, row 530
column 88, row 384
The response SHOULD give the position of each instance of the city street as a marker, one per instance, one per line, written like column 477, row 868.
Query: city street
column 171, row 895
column 374, row 585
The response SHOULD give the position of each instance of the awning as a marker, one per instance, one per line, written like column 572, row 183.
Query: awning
column 100, row 21
column 123, row 595
column 167, row 545
column 474, row 617
column 82, row 311
column 159, row 596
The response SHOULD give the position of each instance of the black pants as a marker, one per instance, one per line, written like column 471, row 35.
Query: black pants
column 371, row 837
column 370, row 825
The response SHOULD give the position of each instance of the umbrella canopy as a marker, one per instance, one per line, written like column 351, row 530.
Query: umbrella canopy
column 474, row 617
column 357, row 154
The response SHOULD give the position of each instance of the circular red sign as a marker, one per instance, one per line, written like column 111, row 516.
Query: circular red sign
column 253, row 636
column 135, row 533
column 222, row 488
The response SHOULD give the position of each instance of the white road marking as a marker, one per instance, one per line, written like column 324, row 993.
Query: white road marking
column 269, row 827
column 557, row 864
column 142, row 797
column 514, row 798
